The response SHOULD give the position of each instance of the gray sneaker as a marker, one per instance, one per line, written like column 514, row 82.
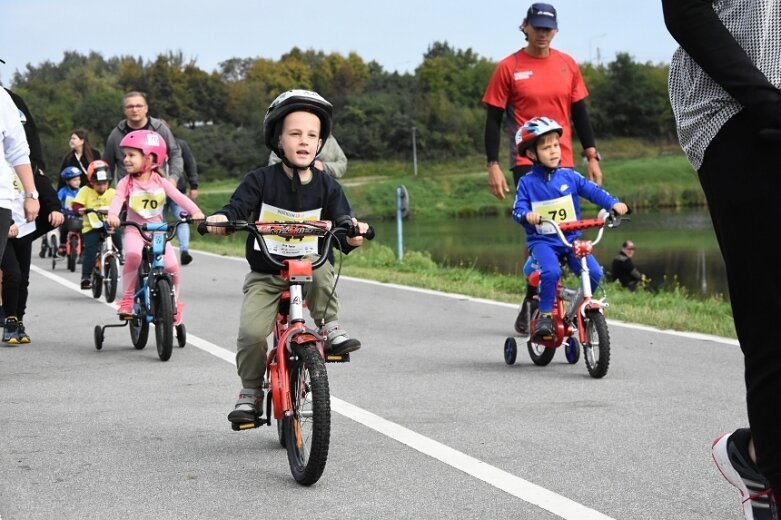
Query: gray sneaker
column 249, row 406
column 730, row 453
column 11, row 331
column 337, row 341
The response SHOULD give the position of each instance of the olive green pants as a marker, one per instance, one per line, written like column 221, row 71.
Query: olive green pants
column 262, row 293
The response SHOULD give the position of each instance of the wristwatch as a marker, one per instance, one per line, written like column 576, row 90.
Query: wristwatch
column 31, row 195
column 592, row 155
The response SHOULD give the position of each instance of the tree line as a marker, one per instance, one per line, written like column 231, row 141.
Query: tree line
column 221, row 113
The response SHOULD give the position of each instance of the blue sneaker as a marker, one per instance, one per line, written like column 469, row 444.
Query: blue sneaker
column 730, row 453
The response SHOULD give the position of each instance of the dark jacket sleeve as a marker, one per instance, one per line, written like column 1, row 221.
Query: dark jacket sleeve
column 31, row 133
column 190, row 166
column 582, row 124
column 493, row 126
column 49, row 202
column 698, row 30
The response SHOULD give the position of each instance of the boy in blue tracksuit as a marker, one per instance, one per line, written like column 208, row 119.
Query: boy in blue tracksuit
column 552, row 192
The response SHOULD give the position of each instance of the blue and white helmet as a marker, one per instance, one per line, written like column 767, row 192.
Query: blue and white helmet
column 69, row 173
column 533, row 129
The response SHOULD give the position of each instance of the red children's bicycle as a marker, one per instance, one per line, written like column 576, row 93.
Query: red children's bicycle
column 296, row 381
column 72, row 243
column 578, row 318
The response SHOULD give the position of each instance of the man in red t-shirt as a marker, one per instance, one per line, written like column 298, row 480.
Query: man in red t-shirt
column 537, row 81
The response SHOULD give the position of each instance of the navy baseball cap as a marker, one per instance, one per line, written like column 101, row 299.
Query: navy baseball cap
column 542, row 15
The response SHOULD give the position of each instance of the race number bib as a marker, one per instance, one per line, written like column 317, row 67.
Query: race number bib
column 560, row 210
column 148, row 204
column 94, row 220
column 291, row 247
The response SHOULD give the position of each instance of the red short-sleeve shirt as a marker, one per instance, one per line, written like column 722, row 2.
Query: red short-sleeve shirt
column 526, row 87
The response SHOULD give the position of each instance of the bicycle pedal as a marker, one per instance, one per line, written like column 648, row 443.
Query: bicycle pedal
column 337, row 358
column 237, row 427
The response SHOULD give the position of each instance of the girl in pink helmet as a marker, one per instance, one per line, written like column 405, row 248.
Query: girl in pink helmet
column 145, row 189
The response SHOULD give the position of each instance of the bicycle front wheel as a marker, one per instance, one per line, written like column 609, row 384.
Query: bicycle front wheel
column 110, row 278
column 596, row 349
column 73, row 254
column 308, row 429
column 162, row 309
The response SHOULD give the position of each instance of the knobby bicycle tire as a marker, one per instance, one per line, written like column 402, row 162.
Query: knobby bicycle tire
column 596, row 349
column 308, row 430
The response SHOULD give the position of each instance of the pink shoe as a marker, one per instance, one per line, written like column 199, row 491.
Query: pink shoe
column 179, row 313
column 125, row 309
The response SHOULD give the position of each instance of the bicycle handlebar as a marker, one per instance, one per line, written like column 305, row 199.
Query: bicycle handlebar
column 289, row 229
column 609, row 219
column 170, row 229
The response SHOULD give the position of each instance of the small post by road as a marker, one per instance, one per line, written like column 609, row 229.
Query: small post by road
column 414, row 152
column 402, row 210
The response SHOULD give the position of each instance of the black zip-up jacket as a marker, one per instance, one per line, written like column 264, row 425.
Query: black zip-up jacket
column 272, row 186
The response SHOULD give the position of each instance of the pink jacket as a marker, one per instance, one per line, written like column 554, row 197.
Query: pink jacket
column 146, row 201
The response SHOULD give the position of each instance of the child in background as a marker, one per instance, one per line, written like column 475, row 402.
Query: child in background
column 145, row 190
column 72, row 178
column 96, row 196
column 553, row 192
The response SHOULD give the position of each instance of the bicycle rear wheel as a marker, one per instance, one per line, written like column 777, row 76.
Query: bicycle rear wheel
column 596, row 349
column 97, row 279
column 110, row 278
column 139, row 332
column 139, row 327
column 308, row 430
column 162, row 310
column 539, row 354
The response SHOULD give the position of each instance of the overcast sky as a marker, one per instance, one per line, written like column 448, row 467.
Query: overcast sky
column 395, row 33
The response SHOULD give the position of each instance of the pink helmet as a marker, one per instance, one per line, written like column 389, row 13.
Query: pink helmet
column 148, row 142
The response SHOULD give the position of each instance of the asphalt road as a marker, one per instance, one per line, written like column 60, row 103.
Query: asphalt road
column 429, row 421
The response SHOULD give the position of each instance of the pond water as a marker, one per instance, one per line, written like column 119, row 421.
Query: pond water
column 672, row 247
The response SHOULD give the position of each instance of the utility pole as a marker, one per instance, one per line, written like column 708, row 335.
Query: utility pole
column 414, row 152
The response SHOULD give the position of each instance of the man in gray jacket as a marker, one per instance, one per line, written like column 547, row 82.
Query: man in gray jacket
column 331, row 158
column 136, row 118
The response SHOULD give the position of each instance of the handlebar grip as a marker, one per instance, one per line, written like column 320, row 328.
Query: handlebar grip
column 202, row 228
column 353, row 232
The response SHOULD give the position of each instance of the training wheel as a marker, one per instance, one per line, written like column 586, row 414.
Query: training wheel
column 572, row 350
column 98, row 337
column 510, row 351
column 181, row 335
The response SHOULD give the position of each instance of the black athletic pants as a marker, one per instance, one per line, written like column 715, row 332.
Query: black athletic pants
column 741, row 177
